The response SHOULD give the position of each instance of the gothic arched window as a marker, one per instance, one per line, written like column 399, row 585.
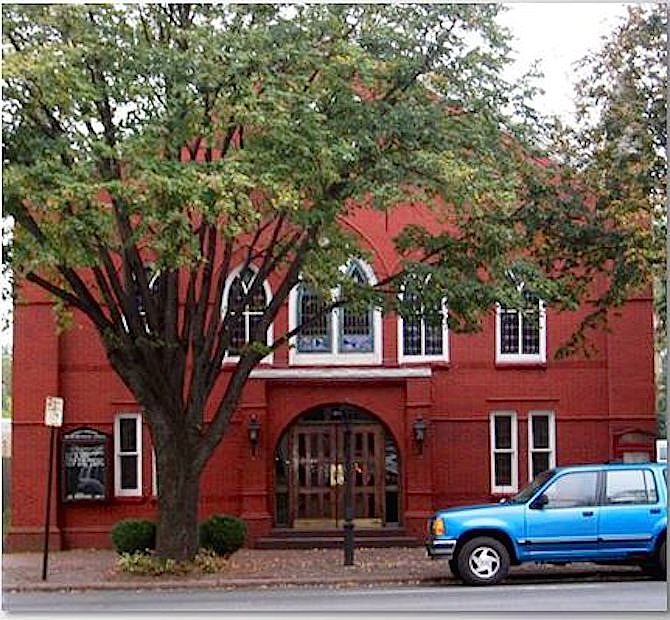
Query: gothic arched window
column 245, row 311
column 341, row 335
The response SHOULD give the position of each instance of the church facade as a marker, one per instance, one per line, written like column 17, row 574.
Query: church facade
column 435, row 418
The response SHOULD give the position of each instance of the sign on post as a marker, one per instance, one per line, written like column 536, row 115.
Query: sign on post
column 53, row 411
column 53, row 417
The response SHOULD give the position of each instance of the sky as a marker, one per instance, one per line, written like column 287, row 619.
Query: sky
column 558, row 34
column 555, row 34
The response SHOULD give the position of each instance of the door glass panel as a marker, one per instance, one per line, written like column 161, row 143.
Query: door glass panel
column 358, row 444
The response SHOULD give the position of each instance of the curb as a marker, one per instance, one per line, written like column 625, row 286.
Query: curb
column 259, row 582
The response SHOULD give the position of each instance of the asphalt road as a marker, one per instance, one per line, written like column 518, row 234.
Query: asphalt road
column 570, row 596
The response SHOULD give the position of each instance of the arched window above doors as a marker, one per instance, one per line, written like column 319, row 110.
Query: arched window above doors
column 340, row 336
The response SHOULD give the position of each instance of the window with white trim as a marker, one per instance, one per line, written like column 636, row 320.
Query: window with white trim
column 422, row 335
column 246, row 311
column 128, row 455
column 504, row 469
column 541, row 442
column 342, row 336
column 521, row 335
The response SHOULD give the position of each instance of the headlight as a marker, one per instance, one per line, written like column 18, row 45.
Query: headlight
column 439, row 528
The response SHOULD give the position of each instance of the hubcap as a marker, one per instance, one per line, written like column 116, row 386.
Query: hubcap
column 484, row 562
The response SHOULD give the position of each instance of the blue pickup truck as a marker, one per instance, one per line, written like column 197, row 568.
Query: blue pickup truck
column 609, row 514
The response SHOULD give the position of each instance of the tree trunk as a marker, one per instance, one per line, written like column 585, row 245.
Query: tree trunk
column 178, row 496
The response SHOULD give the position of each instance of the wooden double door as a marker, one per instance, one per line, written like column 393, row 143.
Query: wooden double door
column 317, row 474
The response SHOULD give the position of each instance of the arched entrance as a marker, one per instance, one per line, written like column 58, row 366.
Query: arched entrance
column 310, row 468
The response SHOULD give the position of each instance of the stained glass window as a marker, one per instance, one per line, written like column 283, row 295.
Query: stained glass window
column 316, row 335
column 520, row 330
column 244, row 317
column 338, row 331
column 356, row 328
column 422, row 333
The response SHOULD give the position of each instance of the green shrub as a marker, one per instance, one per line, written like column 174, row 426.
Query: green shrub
column 222, row 534
column 134, row 536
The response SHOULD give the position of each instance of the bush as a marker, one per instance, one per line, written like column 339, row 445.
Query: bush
column 134, row 536
column 222, row 534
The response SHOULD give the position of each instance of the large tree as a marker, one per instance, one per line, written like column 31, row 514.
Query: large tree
column 620, row 142
column 152, row 149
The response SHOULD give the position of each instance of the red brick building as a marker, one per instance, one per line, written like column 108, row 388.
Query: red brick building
column 437, row 418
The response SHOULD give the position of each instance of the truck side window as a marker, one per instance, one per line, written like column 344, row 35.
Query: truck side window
column 576, row 489
column 630, row 486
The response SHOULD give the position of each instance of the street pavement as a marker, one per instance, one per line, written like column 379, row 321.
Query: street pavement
column 540, row 598
column 249, row 568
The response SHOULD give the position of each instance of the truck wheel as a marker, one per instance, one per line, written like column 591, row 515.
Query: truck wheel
column 655, row 566
column 661, row 563
column 453, row 567
column 483, row 562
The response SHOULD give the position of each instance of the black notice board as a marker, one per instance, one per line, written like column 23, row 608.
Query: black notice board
column 85, row 466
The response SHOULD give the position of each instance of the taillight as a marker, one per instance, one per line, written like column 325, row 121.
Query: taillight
column 438, row 527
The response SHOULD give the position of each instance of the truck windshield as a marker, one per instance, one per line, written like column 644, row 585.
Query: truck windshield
column 529, row 491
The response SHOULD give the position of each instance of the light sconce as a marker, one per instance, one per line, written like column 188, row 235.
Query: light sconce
column 254, row 429
column 419, row 428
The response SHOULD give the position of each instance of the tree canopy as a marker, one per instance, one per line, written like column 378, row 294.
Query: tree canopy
column 620, row 143
column 151, row 149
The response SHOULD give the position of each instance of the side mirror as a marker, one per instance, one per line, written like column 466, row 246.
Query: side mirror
column 539, row 502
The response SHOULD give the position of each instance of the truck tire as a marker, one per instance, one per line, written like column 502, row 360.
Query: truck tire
column 656, row 566
column 662, row 558
column 483, row 561
column 453, row 567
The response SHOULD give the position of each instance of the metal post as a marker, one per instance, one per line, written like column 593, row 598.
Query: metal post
column 337, row 485
column 348, row 494
column 48, row 510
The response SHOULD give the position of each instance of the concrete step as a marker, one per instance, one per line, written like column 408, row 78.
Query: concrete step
column 329, row 539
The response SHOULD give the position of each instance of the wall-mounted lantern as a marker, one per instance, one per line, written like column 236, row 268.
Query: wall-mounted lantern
column 254, row 429
column 419, row 428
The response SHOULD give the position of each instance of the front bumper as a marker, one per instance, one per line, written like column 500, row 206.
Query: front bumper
column 440, row 548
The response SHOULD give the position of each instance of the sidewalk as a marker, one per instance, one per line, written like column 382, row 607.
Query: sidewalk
column 96, row 569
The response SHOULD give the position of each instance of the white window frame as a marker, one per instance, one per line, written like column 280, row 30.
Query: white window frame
column 552, row 440
column 118, row 491
column 522, row 358
column 269, row 338
column 513, row 450
column 437, row 357
column 336, row 357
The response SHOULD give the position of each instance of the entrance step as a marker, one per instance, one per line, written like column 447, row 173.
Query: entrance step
column 284, row 538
